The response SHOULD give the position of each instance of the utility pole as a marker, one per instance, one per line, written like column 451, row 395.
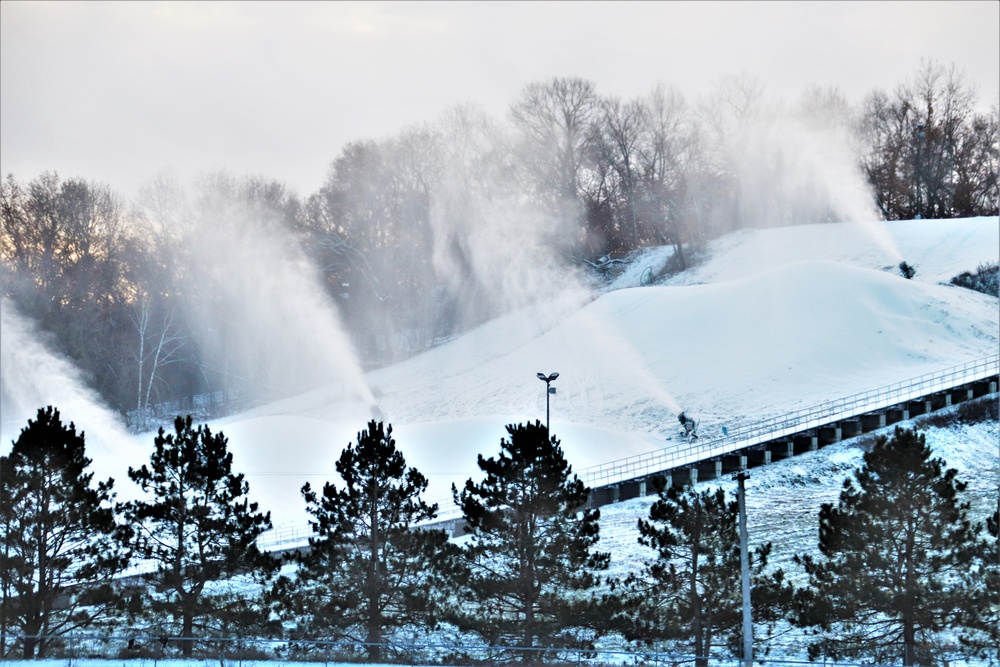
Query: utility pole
column 741, row 477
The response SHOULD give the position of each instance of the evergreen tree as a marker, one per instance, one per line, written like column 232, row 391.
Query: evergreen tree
column 531, row 544
column 61, row 544
column 984, row 637
column 199, row 526
column 897, row 553
column 369, row 570
column 692, row 591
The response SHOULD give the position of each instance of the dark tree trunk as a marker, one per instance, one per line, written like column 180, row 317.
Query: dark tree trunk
column 909, row 629
column 374, row 585
column 29, row 647
column 187, row 632
column 697, row 620
column 528, row 591
column 679, row 251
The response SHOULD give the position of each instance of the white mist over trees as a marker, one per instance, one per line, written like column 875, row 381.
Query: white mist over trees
column 240, row 290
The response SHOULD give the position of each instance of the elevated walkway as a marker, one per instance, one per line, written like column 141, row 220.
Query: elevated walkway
column 762, row 442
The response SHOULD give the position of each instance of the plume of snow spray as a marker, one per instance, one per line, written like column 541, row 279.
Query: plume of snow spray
column 257, row 309
column 795, row 166
column 273, row 322
column 496, row 250
column 33, row 377
column 627, row 361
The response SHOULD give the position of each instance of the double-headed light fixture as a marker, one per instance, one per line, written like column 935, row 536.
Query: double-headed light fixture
column 549, row 389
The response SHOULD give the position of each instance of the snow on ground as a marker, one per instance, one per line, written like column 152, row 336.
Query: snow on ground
column 934, row 247
column 771, row 321
column 784, row 499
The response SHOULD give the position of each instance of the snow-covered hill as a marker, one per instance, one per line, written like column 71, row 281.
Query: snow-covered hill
column 770, row 321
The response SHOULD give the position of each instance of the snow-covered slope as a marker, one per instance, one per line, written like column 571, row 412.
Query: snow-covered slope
column 934, row 247
column 770, row 321
column 774, row 320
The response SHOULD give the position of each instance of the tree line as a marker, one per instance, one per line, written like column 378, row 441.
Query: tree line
column 418, row 236
column 901, row 573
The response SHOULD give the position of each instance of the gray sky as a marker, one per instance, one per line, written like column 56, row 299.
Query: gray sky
column 119, row 91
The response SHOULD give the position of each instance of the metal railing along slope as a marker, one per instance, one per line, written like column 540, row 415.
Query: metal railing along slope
column 766, row 430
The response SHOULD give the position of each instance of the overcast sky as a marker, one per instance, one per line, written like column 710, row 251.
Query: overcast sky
column 119, row 91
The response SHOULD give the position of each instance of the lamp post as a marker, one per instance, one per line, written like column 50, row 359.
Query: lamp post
column 549, row 389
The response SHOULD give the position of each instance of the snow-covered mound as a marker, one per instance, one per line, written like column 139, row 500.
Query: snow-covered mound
column 775, row 320
column 771, row 321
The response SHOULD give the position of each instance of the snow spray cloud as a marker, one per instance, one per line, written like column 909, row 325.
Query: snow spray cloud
column 33, row 377
column 795, row 166
column 627, row 364
column 496, row 250
column 260, row 315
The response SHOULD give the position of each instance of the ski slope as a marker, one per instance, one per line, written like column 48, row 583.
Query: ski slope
column 768, row 322
column 774, row 320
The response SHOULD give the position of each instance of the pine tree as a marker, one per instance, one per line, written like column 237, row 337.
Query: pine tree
column 983, row 639
column 896, row 555
column 61, row 544
column 369, row 570
column 992, row 562
column 531, row 544
column 199, row 526
column 692, row 591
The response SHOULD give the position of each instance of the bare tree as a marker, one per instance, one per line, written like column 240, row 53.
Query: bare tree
column 667, row 158
column 930, row 154
column 370, row 227
column 554, row 120
column 158, row 332
column 729, row 116
column 68, row 248
column 617, row 139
